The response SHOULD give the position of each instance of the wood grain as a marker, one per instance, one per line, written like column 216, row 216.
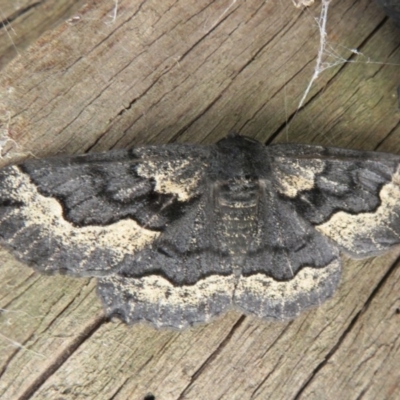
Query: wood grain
column 23, row 21
column 191, row 71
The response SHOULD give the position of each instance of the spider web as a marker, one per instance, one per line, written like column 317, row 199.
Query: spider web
column 320, row 64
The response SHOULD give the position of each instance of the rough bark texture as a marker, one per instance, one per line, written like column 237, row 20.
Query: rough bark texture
column 118, row 74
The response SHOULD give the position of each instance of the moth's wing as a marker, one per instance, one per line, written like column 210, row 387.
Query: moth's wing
column 351, row 197
column 137, row 219
column 318, row 200
column 157, row 301
column 84, row 215
column 290, row 266
column 180, row 280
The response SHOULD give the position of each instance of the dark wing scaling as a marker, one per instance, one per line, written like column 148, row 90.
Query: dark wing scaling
column 178, row 234
column 352, row 197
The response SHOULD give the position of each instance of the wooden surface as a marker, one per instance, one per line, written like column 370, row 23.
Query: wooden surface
column 23, row 21
column 191, row 71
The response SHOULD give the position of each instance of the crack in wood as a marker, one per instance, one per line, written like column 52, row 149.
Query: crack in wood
column 8, row 20
column 212, row 356
column 349, row 328
column 62, row 358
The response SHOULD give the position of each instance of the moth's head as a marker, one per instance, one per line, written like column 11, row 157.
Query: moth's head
column 236, row 144
column 239, row 159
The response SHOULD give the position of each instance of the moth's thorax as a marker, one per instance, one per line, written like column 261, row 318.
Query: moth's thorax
column 239, row 162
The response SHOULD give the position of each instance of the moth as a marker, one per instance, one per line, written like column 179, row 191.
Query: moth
column 178, row 234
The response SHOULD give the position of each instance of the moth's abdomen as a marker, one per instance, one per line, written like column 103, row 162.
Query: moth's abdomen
column 239, row 227
column 237, row 205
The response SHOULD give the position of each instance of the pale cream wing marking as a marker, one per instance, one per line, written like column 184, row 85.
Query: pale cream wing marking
column 152, row 295
column 120, row 238
column 270, row 294
column 296, row 175
column 346, row 229
column 170, row 178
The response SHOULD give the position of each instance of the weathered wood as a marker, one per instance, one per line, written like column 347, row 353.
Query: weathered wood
column 159, row 71
column 23, row 21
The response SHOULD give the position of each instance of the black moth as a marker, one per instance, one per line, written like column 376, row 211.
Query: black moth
column 180, row 233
